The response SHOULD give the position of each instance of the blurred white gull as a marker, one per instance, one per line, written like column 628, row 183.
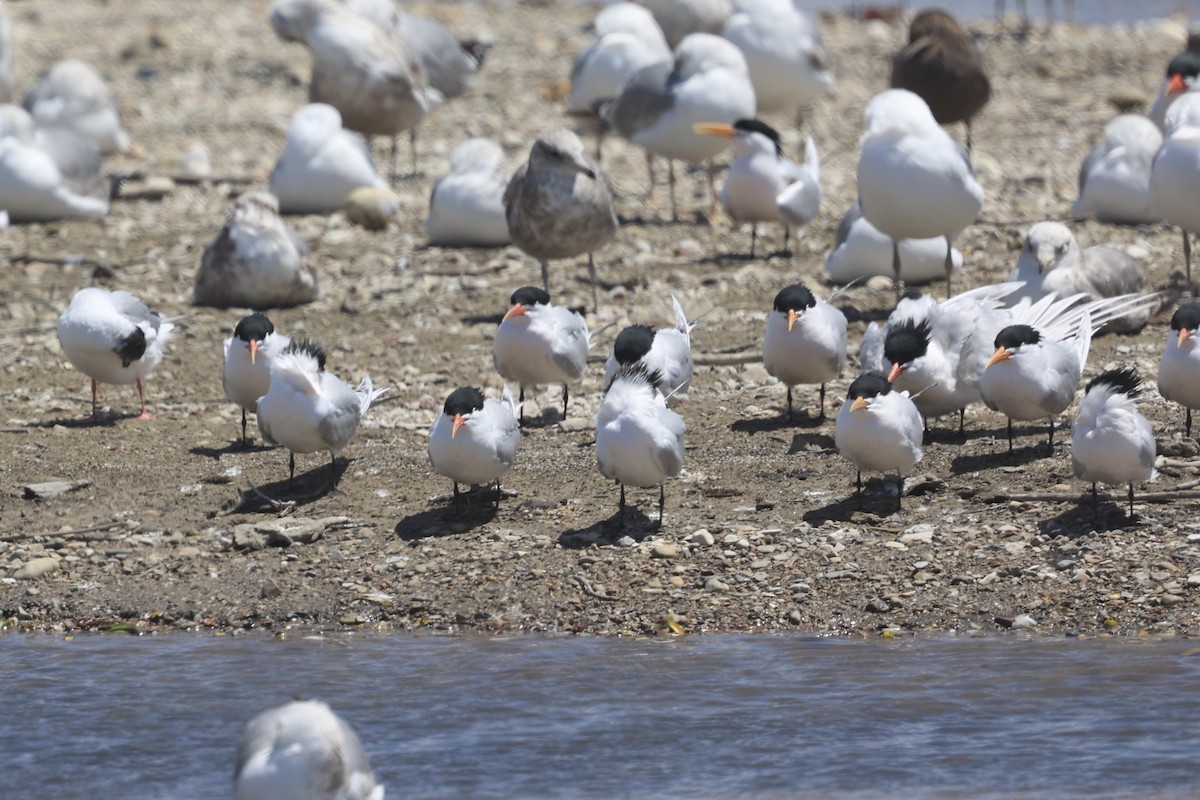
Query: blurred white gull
column 256, row 261
column 914, row 181
column 321, row 164
column 362, row 69
column 33, row 187
column 1175, row 175
column 861, row 251
column 72, row 95
column 659, row 104
column 1114, row 178
column 302, row 751
column 784, row 50
column 466, row 207
column 680, row 18
column 76, row 156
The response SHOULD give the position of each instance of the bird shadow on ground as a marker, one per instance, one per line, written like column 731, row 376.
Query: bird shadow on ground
column 878, row 500
column 547, row 417
column 307, row 487
column 233, row 447
column 106, row 420
column 1079, row 520
column 635, row 525
column 1002, row 458
column 665, row 221
column 802, row 442
column 474, row 509
column 778, row 423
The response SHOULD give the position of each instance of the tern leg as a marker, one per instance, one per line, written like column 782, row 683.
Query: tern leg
column 545, row 274
column 712, row 189
column 789, row 403
column 243, row 427
column 566, row 396
column 1189, row 413
column 395, row 157
column 96, row 409
column 671, row 186
column 662, row 498
column 650, row 176
column 822, row 402
column 521, row 403
column 787, row 235
column 142, row 400
column 1131, row 499
column 1095, row 506
column 456, row 495
column 753, row 237
column 412, row 142
column 896, row 270
column 858, row 487
column 899, row 491
column 968, row 124
column 962, row 413
column 1050, row 443
column 291, row 469
column 949, row 268
column 1187, row 259
column 621, row 504
column 332, row 470
column 1010, row 434
column 499, row 494
column 595, row 284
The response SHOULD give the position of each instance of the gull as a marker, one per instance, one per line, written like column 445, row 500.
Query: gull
column 942, row 66
column 1175, row 175
column 639, row 441
column 1182, row 73
column 861, row 251
column 680, row 18
column 666, row 353
column 1111, row 442
column 321, row 164
column 302, row 751
column 256, row 261
column 1052, row 262
column 1114, row 178
column 559, row 204
column 784, row 52
column 628, row 18
column 627, row 39
column 914, row 181
column 1179, row 369
column 539, row 343
column 466, row 207
column 804, row 342
column 71, row 95
column 112, row 338
column 363, row 70
column 249, row 353
column 474, row 440
column 77, row 158
column 763, row 185
column 34, row 189
column 657, row 107
column 307, row 410
column 879, row 430
column 938, row 351
column 1041, row 353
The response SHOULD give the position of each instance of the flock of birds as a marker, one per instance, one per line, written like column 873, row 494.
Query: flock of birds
column 684, row 80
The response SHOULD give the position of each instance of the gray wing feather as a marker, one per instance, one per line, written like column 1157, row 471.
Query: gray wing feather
column 135, row 309
column 642, row 100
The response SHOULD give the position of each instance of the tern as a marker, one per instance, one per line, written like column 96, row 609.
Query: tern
column 1175, row 175
column 474, row 440
column 804, row 342
column 861, row 251
column 1111, row 442
column 879, row 430
column 249, row 353
column 665, row 352
column 1179, row 369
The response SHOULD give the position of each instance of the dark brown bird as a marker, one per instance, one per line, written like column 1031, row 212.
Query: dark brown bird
column 940, row 63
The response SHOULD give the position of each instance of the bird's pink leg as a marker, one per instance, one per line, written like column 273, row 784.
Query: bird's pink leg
column 142, row 400
column 95, row 409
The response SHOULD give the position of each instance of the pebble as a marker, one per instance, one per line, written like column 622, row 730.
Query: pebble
column 715, row 585
column 36, row 568
column 664, row 550
column 879, row 606
column 372, row 207
column 701, row 538
column 917, row 533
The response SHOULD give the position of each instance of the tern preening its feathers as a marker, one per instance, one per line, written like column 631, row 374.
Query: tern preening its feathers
column 804, row 342
column 666, row 352
column 249, row 353
column 474, row 439
column 1179, row 369
column 879, row 430
column 1111, row 442
column 307, row 410
column 539, row 343
column 639, row 441
column 112, row 338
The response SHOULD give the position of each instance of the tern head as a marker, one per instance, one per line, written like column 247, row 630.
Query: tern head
column 905, row 343
column 131, row 347
column 867, row 387
column 747, row 135
column 460, row 405
column 525, row 298
column 252, row 330
column 1050, row 245
column 792, row 301
column 1182, row 70
column 1123, row 380
column 559, row 150
column 1185, row 322
column 633, row 343
column 1010, row 341
column 636, row 375
column 300, row 366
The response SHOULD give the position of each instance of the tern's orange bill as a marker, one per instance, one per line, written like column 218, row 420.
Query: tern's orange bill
column 515, row 311
column 1184, row 335
column 1176, row 85
column 792, row 317
column 253, row 349
column 896, row 371
column 1000, row 355
column 715, row 129
column 859, row 404
column 459, row 421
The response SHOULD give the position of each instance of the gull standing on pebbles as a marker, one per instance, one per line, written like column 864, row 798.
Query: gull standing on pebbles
column 805, row 341
column 879, row 430
column 360, row 68
column 256, row 261
column 539, row 343
column 71, row 95
column 1114, row 178
column 784, row 51
column 1175, row 176
column 861, row 251
column 763, row 185
column 914, row 181
column 639, row 441
column 559, row 204
column 657, row 107
column 249, row 353
column 942, row 66
column 666, row 352
column 679, row 18
column 466, row 207
column 1179, row 369
column 474, row 440
column 1111, row 442
column 302, row 751
column 112, row 338
column 321, row 164
column 307, row 410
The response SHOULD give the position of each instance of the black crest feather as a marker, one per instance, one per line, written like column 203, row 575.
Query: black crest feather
column 1186, row 317
column 907, row 341
column 636, row 371
column 1124, row 380
column 1016, row 335
column 794, row 298
column 633, row 343
column 253, row 328
column 758, row 126
column 310, row 347
column 463, row 400
column 869, row 384
column 529, row 296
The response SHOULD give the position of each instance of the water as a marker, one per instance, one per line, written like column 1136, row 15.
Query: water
column 719, row 716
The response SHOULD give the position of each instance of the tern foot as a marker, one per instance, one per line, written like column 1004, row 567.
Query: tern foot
column 144, row 416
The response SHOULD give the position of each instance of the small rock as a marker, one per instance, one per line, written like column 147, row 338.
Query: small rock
column 196, row 162
column 44, row 491
column 36, row 568
column 702, row 538
column 715, row 585
column 372, row 207
column 917, row 533
column 795, row 617
column 1166, row 599
column 664, row 550
column 626, row 541
column 270, row 589
column 1128, row 101
column 879, row 606
column 246, row 538
column 879, row 283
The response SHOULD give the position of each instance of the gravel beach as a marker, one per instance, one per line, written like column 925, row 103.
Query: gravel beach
column 170, row 524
